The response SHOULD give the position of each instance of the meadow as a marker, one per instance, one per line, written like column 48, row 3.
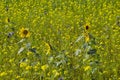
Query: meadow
column 59, row 39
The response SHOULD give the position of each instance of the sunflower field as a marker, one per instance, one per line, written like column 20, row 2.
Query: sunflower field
column 59, row 39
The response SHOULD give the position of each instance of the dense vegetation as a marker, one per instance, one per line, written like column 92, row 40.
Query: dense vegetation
column 59, row 40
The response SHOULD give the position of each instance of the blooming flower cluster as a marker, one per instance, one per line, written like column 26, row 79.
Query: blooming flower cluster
column 59, row 40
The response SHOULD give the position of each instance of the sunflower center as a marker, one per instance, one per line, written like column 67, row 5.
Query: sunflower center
column 87, row 27
column 25, row 32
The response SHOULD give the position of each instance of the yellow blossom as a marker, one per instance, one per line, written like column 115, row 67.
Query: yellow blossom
column 24, row 33
column 65, row 72
column 17, row 77
column 35, row 68
column 55, row 72
column 3, row 74
column 47, row 46
column 10, row 71
column 87, row 68
column 11, row 60
column 44, row 67
column 23, row 64
column 28, row 67
column 29, row 53
column 86, row 33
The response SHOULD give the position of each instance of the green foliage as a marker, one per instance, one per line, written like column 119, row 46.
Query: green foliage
column 68, row 40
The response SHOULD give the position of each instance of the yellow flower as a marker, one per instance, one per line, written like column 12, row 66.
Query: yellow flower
column 11, row 60
column 29, row 53
column 28, row 67
column 10, row 71
column 44, row 67
column 24, row 33
column 86, row 33
column 17, row 77
column 55, row 72
column 3, row 74
column 47, row 46
column 87, row 68
column 35, row 68
column 87, row 26
column 65, row 72
column 23, row 64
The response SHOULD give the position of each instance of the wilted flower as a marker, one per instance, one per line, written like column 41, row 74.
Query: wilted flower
column 24, row 33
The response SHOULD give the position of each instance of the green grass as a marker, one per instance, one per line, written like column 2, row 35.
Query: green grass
column 57, row 46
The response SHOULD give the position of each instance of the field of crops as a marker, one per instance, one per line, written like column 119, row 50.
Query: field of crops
column 59, row 39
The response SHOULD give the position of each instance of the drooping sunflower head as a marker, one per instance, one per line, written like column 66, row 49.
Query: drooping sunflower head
column 24, row 32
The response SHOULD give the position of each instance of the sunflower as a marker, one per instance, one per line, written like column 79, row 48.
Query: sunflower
column 86, row 33
column 24, row 32
column 87, row 27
